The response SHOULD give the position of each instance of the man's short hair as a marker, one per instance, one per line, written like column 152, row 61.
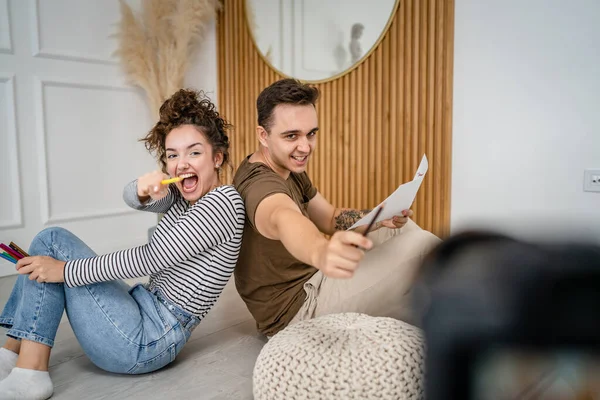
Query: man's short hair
column 284, row 91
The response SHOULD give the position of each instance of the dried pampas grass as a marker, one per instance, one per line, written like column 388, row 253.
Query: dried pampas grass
column 155, row 47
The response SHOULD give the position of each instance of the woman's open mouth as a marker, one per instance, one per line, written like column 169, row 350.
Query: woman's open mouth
column 189, row 182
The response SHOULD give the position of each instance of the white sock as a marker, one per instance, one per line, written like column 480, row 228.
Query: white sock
column 26, row 384
column 8, row 360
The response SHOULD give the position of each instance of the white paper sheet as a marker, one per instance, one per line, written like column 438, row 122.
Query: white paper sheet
column 401, row 199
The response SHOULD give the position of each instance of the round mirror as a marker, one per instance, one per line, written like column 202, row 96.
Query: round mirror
column 317, row 40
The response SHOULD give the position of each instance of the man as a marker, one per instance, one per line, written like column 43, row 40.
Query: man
column 288, row 270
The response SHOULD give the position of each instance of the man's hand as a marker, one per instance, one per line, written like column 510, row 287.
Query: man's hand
column 397, row 221
column 339, row 256
column 42, row 269
column 149, row 186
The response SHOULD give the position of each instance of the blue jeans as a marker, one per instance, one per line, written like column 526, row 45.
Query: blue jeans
column 121, row 329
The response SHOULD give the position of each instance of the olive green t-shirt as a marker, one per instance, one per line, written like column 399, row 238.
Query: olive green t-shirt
column 267, row 277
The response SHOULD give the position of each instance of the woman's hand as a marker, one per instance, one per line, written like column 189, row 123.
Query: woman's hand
column 42, row 269
column 149, row 186
column 398, row 221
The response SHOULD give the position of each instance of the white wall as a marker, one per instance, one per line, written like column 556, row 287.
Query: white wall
column 202, row 72
column 526, row 120
column 70, row 124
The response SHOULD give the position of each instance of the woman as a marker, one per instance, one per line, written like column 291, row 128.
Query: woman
column 189, row 260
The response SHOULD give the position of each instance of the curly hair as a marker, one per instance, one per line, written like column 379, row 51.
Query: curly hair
column 188, row 107
column 284, row 91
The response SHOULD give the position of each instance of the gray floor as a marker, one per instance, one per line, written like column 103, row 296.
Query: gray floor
column 216, row 363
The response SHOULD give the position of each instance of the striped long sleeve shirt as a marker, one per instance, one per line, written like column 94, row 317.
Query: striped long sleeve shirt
column 190, row 256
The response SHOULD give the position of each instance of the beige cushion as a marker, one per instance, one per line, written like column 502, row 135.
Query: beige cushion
column 342, row 356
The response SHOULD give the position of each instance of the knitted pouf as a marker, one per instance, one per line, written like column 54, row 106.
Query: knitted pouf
column 342, row 356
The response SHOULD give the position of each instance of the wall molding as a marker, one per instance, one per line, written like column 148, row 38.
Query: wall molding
column 84, row 216
column 41, row 133
column 15, row 182
column 55, row 54
column 9, row 49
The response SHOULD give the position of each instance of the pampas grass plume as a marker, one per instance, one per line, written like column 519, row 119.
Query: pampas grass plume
column 155, row 47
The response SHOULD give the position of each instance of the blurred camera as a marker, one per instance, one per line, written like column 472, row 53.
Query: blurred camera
column 508, row 319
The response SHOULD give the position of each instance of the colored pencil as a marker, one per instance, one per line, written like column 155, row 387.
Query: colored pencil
column 171, row 180
column 8, row 258
column 14, row 254
column 18, row 249
column 374, row 219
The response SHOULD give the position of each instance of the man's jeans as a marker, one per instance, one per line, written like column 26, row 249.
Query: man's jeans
column 121, row 329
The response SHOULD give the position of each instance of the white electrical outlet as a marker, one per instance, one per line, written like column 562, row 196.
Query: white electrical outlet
column 591, row 180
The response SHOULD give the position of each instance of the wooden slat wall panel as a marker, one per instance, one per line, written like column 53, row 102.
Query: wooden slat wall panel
column 375, row 122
